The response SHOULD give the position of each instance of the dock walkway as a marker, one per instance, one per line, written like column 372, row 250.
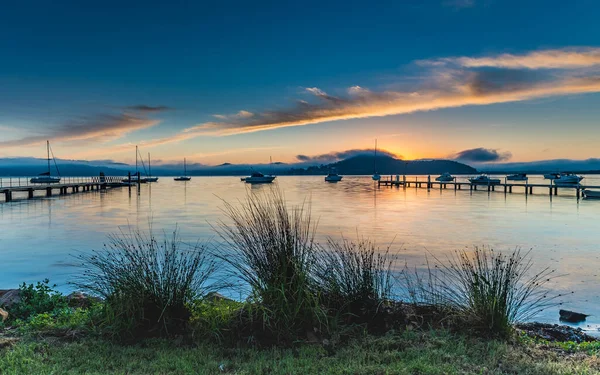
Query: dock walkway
column 9, row 186
column 507, row 187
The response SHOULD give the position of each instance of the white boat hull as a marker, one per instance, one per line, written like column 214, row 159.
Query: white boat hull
column 591, row 194
column 259, row 180
column 45, row 180
column 567, row 180
column 445, row 179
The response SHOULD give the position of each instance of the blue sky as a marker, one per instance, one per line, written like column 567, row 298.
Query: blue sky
column 187, row 79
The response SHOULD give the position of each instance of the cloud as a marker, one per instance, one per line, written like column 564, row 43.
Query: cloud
column 98, row 128
column 566, row 58
column 482, row 155
column 147, row 108
column 340, row 155
column 445, row 83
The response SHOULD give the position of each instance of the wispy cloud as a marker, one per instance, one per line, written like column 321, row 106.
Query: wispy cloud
column 96, row 128
column 482, row 155
column 446, row 83
column 566, row 58
column 148, row 108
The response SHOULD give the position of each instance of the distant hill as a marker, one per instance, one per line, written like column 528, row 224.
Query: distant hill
column 365, row 165
column 356, row 165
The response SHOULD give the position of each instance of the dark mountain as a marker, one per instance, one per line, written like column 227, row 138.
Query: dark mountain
column 384, row 165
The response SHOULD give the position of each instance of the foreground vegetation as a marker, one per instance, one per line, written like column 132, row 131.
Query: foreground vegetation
column 308, row 308
column 430, row 352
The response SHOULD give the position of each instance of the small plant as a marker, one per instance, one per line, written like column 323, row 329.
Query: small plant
column 271, row 248
column 37, row 299
column 147, row 284
column 354, row 277
column 489, row 291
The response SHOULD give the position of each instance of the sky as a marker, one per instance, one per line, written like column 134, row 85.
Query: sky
column 242, row 82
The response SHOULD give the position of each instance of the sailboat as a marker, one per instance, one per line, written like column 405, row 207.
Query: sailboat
column 185, row 176
column 376, row 176
column 149, row 178
column 134, row 177
column 46, row 178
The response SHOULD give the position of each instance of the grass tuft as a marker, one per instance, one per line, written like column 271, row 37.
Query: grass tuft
column 147, row 284
column 272, row 249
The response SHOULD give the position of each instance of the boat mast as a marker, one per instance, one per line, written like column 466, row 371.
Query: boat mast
column 149, row 167
column 184, row 168
column 136, row 156
column 375, row 158
column 48, row 155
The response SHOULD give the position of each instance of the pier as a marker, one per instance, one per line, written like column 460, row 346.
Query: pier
column 9, row 186
column 506, row 187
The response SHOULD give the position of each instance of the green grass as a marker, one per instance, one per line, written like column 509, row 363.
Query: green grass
column 435, row 352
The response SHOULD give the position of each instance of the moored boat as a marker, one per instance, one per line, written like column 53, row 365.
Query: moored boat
column 567, row 179
column 517, row 177
column 149, row 178
column 551, row 176
column 185, row 177
column 445, row 177
column 376, row 176
column 587, row 193
column 484, row 180
column 333, row 177
column 258, row 178
column 46, row 178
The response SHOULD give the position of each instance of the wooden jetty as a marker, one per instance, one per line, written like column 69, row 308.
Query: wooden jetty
column 507, row 187
column 10, row 186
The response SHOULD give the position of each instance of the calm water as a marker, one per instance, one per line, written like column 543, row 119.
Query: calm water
column 38, row 237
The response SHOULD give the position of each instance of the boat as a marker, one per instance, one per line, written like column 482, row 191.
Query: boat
column 484, row 180
column 258, row 178
column 445, row 177
column 376, row 176
column 333, row 177
column 46, row 178
column 185, row 177
column 517, row 177
column 595, row 194
column 149, row 177
column 567, row 179
column 551, row 176
column 135, row 178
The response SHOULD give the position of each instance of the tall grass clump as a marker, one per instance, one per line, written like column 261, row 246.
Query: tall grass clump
column 147, row 284
column 354, row 278
column 271, row 248
column 488, row 290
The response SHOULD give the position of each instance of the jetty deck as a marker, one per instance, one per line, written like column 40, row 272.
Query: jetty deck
column 10, row 186
column 506, row 187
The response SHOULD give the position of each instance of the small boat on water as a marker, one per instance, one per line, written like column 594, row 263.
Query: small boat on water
column 185, row 177
column 333, row 177
column 258, row 178
column 376, row 176
column 484, row 180
column 567, row 179
column 149, row 178
column 46, row 178
column 445, row 177
column 591, row 194
column 135, row 178
column 517, row 177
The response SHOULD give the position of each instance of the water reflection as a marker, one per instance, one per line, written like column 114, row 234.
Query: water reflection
column 38, row 235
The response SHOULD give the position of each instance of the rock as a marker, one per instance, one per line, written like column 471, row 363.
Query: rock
column 3, row 314
column 555, row 332
column 9, row 297
column 81, row 299
column 572, row 316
